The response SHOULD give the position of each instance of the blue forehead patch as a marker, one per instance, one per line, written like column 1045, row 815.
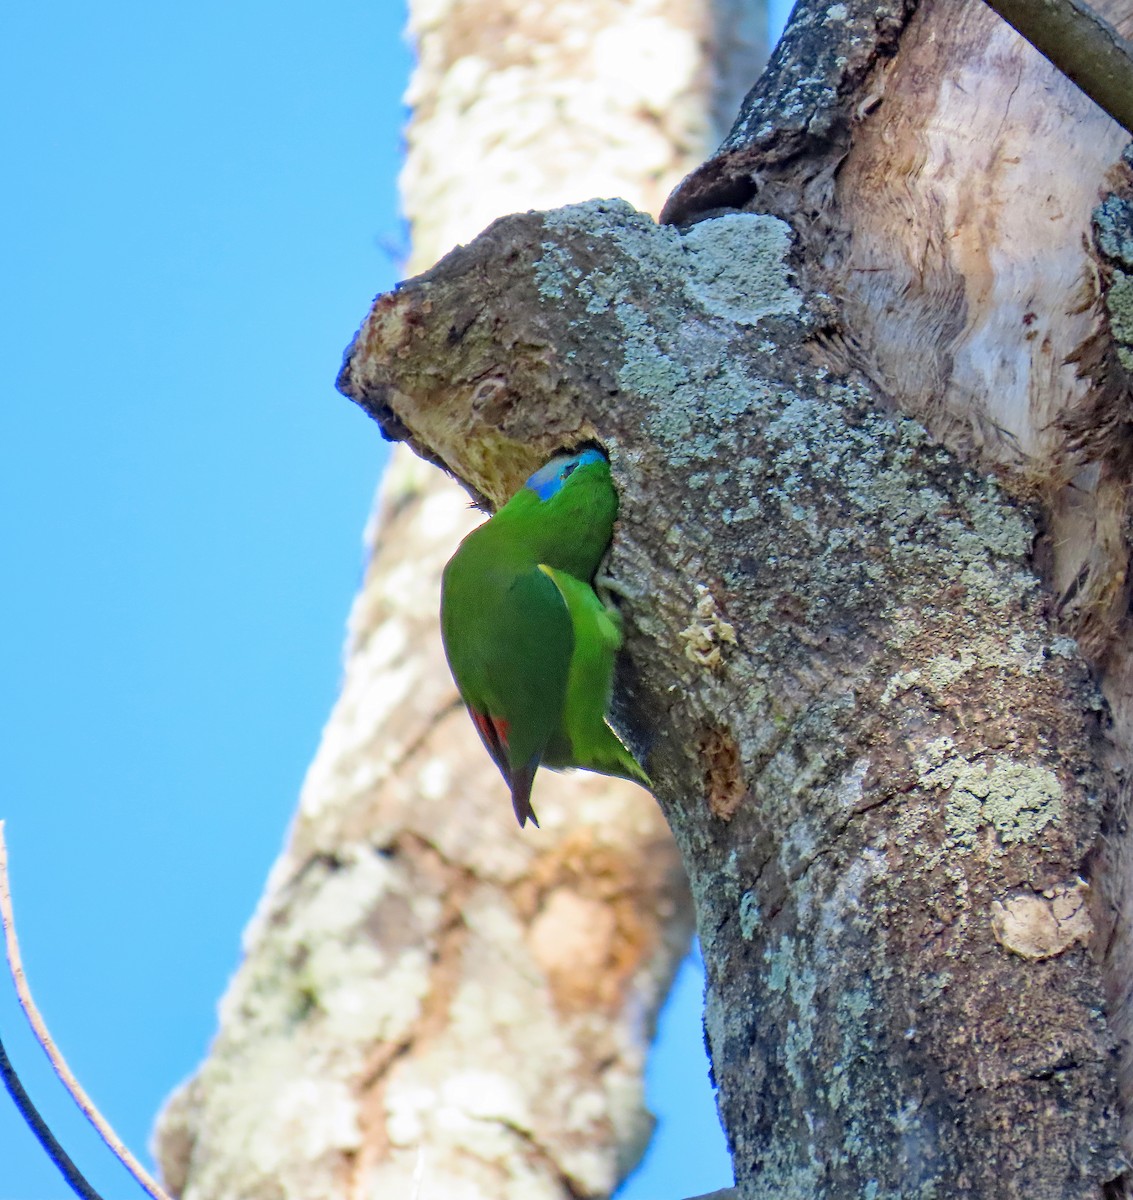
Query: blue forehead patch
column 551, row 476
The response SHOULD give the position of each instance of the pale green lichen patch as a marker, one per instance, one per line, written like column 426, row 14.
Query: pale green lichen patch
column 749, row 914
column 737, row 267
column 734, row 268
column 1018, row 799
column 647, row 370
column 655, row 249
column 902, row 681
column 1119, row 302
column 1018, row 653
column 1064, row 647
column 791, row 970
column 1114, row 229
column 844, row 489
column 1113, row 226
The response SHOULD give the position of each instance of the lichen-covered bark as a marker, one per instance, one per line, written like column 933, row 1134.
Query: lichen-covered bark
column 838, row 624
column 957, row 239
column 431, row 999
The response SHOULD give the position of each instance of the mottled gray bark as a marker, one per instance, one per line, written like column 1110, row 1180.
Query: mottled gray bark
column 430, row 998
column 859, row 645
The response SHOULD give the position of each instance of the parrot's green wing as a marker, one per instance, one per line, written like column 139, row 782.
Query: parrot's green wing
column 508, row 638
column 586, row 737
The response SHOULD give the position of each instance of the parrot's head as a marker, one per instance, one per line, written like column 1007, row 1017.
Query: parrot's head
column 550, row 479
column 565, row 512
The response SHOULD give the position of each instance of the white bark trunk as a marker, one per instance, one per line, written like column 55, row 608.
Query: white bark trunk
column 428, row 994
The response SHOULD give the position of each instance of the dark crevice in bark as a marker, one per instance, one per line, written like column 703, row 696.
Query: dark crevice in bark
column 802, row 107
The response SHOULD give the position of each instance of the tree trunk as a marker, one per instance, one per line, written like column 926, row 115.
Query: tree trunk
column 870, row 423
column 429, row 996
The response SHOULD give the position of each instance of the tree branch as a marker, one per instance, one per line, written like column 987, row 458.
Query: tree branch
column 23, row 993
column 43, row 1134
column 1086, row 49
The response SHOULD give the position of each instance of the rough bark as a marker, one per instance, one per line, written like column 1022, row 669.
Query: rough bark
column 429, row 997
column 871, row 438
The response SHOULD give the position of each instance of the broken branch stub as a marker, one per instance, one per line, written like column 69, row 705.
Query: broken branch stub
column 471, row 364
column 526, row 340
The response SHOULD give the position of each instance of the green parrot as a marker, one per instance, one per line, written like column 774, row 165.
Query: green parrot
column 529, row 643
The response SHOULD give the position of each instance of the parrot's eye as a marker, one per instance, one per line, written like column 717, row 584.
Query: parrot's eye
column 569, row 469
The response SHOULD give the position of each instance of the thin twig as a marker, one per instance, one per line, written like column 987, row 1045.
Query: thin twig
column 23, row 993
column 43, row 1134
column 1086, row 49
column 418, row 1173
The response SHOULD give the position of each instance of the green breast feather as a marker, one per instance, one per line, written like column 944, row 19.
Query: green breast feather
column 530, row 644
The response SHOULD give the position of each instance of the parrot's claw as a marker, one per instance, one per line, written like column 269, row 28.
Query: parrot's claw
column 607, row 587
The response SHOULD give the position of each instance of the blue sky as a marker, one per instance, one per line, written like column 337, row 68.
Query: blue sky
column 201, row 203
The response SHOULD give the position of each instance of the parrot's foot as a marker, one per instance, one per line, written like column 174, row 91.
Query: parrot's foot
column 607, row 587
